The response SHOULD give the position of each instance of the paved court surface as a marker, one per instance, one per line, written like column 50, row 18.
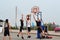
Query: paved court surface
column 33, row 37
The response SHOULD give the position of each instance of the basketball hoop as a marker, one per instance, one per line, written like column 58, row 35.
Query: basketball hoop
column 35, row 9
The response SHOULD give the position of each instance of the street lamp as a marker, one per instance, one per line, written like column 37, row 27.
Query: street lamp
column 16, row 17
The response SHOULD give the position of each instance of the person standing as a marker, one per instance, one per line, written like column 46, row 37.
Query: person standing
column 6, row 30
column 28, row 24
column 21, row 28
column 37, row 18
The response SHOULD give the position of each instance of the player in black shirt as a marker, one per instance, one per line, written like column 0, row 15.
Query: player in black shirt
column 21, row 28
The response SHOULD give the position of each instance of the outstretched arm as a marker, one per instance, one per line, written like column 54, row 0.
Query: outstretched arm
column 34, row 17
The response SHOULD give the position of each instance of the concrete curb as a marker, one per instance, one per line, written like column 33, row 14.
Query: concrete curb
column 53, row 35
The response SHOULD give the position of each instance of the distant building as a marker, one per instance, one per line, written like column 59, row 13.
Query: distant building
column 1, row 25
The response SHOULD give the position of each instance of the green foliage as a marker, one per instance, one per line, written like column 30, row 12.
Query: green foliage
column 50, row 27
column 32, row 28
column 14, row 28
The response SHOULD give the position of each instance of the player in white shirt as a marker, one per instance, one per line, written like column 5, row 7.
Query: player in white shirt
column 6, row 30
column 28, row 24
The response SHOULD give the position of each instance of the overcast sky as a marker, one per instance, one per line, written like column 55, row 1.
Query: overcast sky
column 50, row 9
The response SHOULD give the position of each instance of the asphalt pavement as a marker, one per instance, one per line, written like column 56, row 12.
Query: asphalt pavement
column 33, row 37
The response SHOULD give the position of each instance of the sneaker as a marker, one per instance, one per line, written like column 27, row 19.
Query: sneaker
column 22, row 37
column 29, row 37
column 17, row 35
column 43, row 36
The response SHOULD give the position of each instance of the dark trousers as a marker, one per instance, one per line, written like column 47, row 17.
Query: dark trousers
column 39, row 30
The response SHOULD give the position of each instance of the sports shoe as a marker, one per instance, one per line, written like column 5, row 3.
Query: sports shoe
column 22, row 37
column 17, row 35
column 29, row 37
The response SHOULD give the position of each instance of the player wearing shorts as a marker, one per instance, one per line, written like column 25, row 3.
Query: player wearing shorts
column 21, row 28
column 6, row 30
column 28, row 24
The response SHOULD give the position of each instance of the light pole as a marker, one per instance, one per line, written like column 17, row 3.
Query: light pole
column 16, row 16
